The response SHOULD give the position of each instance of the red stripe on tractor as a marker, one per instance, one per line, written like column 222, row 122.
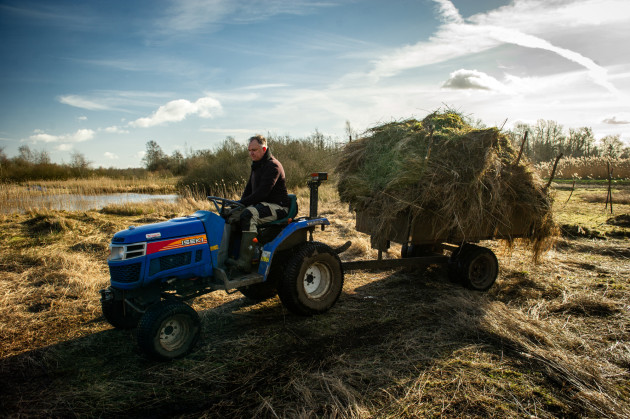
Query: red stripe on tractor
column 170, row 244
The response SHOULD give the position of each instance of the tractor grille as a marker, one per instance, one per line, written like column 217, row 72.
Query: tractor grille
column 125, row 273
column 135, row 250
column 129, row 251
column 169, row 262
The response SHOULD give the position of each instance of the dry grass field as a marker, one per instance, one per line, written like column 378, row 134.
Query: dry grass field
column 548, row 340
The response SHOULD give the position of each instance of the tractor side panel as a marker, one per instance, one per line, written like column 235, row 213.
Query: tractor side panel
column 184, row 257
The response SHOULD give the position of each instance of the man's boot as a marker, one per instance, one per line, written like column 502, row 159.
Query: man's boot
column 244, row 261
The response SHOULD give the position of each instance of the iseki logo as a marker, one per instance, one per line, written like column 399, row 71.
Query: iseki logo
column 188, row 242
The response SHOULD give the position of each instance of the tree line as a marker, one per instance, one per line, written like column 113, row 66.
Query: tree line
column 213, row 170
column 31, row 164
column 547, row 139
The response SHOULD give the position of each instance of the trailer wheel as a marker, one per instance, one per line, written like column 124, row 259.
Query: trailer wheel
column 168, row 330
column 312, row 279
column 119, row 315
column 477, row 267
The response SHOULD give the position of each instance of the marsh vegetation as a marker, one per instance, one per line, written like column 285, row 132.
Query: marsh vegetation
column 548, row 340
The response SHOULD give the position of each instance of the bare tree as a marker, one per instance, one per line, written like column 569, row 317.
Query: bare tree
column 611, row 146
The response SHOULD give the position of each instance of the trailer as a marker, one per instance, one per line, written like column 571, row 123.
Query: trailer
column 474, row 266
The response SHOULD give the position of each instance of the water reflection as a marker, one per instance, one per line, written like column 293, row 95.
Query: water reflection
column 73, row 202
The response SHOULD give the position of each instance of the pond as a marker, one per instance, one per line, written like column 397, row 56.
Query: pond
column 75, row 202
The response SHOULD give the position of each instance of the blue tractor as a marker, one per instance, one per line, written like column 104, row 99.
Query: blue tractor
column 156, row 268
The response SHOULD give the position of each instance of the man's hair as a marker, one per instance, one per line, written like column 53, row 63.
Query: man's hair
column 259, row 139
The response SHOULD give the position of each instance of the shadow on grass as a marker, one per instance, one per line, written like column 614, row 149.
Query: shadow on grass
column 361, row 357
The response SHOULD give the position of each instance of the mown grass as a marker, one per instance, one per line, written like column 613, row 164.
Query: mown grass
column 548, row 340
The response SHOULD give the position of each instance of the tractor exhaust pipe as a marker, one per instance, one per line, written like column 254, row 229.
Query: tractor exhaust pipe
column 313, row 184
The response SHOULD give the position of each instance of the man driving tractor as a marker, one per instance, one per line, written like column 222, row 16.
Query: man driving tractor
column 265, row 199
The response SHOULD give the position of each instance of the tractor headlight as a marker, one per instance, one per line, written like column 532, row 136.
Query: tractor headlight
column 116, row 252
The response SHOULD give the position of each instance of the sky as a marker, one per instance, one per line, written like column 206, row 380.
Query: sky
column 102, row 78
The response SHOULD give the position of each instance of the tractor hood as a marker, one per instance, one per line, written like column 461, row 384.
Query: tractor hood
column 177, row 227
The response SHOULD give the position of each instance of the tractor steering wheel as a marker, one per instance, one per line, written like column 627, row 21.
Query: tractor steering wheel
column 224, row 203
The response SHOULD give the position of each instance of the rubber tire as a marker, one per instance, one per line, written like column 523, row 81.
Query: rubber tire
column 477, row 267
column 161, row 317
column 118, row 315
column 316, row 257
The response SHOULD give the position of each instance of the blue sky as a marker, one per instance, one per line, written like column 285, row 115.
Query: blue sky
column 104, row 77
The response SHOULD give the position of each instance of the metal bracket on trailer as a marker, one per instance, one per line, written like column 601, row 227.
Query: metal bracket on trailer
column 394, row 263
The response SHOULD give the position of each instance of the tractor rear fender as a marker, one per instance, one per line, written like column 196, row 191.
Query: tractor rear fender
column 292, row 235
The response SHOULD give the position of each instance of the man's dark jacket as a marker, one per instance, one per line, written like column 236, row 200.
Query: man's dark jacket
column 266, row 183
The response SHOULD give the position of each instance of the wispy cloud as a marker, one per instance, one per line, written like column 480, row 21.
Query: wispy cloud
column 83, row 103
column 211, row 15
column 458, row 37
column 110, row 156
column 614, row 121
column 178, row 110
column 119, row 100
column 50, row 14
column 264, row 86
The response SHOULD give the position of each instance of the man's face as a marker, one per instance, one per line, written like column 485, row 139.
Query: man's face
column 256, row 151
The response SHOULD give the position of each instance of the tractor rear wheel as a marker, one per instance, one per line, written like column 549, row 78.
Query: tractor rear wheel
column 168, row 330
column 312, row 280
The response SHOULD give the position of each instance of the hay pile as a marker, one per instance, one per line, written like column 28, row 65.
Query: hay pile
column 441, row 171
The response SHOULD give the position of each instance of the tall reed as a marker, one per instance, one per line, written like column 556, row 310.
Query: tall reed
column 586, row 168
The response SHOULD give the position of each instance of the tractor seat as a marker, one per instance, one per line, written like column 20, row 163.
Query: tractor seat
column 293, row 209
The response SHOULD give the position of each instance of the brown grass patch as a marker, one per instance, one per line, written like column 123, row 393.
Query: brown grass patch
column 548, row 340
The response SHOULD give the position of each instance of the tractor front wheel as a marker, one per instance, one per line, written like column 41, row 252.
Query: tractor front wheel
column 259, row 292
column 312, row 279
column 120, row 315
column 168, row 330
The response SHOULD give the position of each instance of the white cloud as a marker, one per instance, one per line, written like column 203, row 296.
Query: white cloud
column 110, row 156
column 64, row 147
column 79, row 136
column 116, row 130
column 82, row 118
column 79, row 102
column 473, row 79
column 178, row 110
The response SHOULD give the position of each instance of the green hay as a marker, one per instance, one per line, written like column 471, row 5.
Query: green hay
column 463, row 182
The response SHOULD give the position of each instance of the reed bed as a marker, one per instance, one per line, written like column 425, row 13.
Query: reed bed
column 586, row 168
